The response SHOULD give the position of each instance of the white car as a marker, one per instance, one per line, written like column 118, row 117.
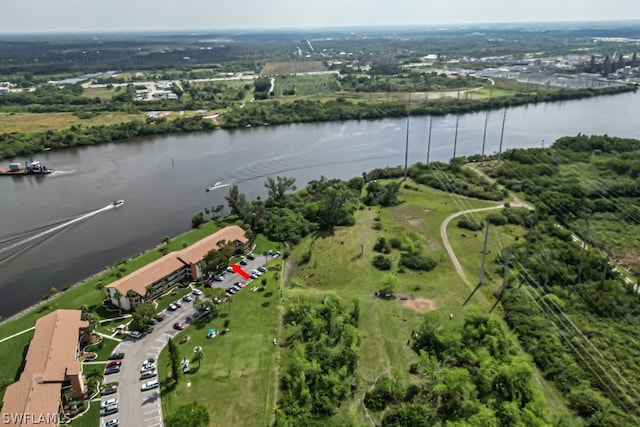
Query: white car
column 150, row 385
column 111, row 423
column 197, row 292
column 109, row 402
column 135, row 334
column 172, row 307
column 147, row 366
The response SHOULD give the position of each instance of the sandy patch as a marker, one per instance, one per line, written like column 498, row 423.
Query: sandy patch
column 421, row 305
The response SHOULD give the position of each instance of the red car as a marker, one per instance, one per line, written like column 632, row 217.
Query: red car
column 114, row 363
column 160, row 317
column 179, row 326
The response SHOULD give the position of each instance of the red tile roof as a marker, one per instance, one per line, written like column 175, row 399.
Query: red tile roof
column 51, row 356
column 143, row 277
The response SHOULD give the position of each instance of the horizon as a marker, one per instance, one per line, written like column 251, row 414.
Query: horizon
column 74, row 16
column 320, row 28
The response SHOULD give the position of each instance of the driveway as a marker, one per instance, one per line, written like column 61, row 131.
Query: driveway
column 138, row 408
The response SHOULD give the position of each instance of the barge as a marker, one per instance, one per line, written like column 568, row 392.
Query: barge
column 33, row 168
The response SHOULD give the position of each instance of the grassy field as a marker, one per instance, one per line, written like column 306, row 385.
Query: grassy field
column 298, row 86
column 236, row 378
column 341, row 263
column 271, row 68
column 35, row 123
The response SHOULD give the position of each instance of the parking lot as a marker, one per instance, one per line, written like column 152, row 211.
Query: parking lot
column 143, row 408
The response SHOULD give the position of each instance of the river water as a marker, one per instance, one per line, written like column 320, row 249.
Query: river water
column 58, row 229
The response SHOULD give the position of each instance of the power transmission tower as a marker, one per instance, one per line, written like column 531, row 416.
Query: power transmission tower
column 455, row 138
column 504, row 118
column 406, row 152
column 429, row 140
column 484, row 134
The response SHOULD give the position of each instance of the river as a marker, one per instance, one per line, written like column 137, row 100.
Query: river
column 45, row 241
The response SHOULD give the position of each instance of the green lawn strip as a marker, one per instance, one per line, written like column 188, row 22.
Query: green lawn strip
column 90, row 419
column 103, row 349
column 12, row 353
column 235, row 379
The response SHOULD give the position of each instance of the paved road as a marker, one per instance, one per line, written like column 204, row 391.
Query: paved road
column 135, row 407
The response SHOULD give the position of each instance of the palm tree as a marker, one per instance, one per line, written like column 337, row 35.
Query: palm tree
column 117, row 295
column 149, row 294
column 91, row 328
column 131, row 294
column 100, row 287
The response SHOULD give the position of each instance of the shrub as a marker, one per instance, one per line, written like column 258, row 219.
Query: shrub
column 395, row 243
column 496, row 219
column 382, row 246
column 377, row 226
column 382, row 262
column 470, row 223
column 417, row 262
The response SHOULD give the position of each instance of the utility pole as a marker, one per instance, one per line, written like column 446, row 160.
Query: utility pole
column 429, row 140
column 406, row 152
column 484, row 134
column 507, row 258
column 455, row 138
column 484, row 253
column 504, row 118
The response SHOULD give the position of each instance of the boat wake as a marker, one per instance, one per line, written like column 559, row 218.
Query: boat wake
column 59, row 173
column 41, row 235
column 219, row 184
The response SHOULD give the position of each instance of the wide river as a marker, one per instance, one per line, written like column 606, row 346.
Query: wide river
column 58, row 229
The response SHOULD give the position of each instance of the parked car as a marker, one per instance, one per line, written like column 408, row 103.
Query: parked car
column 135, row 334
column 148, row 366
column 172, row 307
column 179, row 326
column 262, row 269
column 109, row 402
column 230, row 270
column 160, row 317
column 116, row 356
column 244, row 262
column 254, row 276
column 111, row 423
column 187, row 298
column 112, row 370
column 251, row 256
column 149, row 385
column 217, row 278
column 256, row 272
column 177, row 304
column 196, row 292
column 109, row 390
column 148, row 374
column 108, row 410
column 235, row 288
column 231, row 291
column 114, row 363
column 277, row 254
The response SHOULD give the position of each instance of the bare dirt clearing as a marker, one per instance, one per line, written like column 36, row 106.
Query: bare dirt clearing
column 421, row 305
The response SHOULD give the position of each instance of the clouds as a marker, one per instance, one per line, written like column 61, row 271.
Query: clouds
column 137, row 15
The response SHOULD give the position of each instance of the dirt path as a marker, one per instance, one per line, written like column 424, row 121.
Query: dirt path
column 447, row 245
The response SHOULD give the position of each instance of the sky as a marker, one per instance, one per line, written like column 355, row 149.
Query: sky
column 28, row 16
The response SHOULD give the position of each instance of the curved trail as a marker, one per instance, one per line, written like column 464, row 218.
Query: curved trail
column 445, row 239
column 447, row 245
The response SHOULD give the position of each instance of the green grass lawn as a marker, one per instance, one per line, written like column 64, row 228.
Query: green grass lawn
column 90, row 419
column 236, row 378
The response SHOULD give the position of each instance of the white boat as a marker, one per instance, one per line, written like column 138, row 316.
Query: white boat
column 118, row 203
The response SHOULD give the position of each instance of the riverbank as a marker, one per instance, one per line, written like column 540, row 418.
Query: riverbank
column 281, row 112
